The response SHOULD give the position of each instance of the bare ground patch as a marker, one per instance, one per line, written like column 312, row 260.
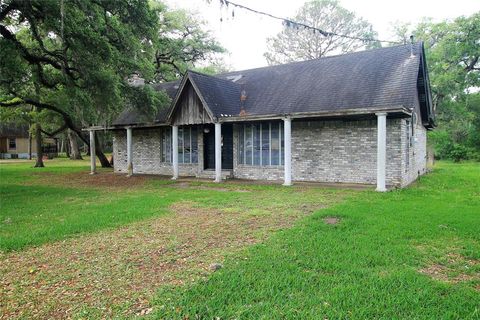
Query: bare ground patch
column 331, row 220
column 449, row 266
column 84, row 179
column 120, row 181
column 115, row 272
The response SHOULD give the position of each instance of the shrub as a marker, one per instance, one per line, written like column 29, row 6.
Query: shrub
column 459, row 152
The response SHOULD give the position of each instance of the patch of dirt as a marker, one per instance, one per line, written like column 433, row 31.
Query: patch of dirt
column 455, row 269
column 436, row 271
column 111, row 180
column 182, row 185
column 121, row 269
column 84, row 179
column 331, row 220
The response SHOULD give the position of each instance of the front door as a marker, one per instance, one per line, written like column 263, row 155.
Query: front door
column 209, row 147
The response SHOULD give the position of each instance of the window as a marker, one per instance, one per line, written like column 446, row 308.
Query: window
column 187, row 145
column 167, row 145
column 12, row 143
column 261, row 144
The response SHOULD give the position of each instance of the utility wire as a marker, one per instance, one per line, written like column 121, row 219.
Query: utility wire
column 289, row 22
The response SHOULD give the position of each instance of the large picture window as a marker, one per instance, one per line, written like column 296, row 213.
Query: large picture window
column 187, row 145
column 261, row 144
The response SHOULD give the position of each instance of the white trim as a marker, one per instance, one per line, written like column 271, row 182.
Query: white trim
column 287, row 127
column 218, row 152
column 381, row 150
column 129, row 151
column 93, row 156
column 175, row 151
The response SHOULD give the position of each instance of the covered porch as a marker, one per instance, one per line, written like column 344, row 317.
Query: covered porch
column 214, row 150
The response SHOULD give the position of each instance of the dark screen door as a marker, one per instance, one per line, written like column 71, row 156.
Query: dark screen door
column 227, row 147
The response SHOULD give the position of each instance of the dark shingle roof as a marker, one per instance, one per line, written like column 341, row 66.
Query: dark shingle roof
column 221, row 95
column 383, row 77
column 14, row 130
column 380, row 78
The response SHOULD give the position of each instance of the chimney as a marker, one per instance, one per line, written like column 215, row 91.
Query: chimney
column 411, row 46
column 136, row 80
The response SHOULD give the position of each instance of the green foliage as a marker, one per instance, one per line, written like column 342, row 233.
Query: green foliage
column 458, row 152
column 74, row 57
column 146, row 101
column 453, row 53
column 182, row 43
column 293, row 44
column 79, row 54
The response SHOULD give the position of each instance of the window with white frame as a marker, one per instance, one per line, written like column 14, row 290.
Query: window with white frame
column 261, row 144
column 187, row 145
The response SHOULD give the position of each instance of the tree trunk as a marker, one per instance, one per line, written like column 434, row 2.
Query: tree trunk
column 38, row 144
column 74, row 149
column 99, row 151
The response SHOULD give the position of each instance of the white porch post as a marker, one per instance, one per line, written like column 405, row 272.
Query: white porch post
column 129, row 152
column 381, row 150
column 218, row 152
column 175, row 151
column 93, row 156
column 287, row 128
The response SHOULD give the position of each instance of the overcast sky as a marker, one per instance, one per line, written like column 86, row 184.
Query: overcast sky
column 245, row 35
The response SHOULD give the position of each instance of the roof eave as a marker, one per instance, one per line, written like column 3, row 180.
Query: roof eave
column 320, row 114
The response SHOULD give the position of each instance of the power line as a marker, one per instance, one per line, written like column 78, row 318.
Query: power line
column 289, row 22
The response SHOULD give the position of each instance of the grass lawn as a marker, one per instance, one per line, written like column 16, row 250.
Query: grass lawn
column 99, row 246
column 407, row 254
column 75, row 245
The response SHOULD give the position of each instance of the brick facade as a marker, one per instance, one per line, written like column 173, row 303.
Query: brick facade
column 146, row 149
column 322, row 151
column 343, row 151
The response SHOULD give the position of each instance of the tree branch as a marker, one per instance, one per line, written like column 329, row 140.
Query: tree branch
column 66, row 118
column 55, row 132
column 472, row 64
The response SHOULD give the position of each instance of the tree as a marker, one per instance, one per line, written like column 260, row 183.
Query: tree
column 453, row 58
column 294, row 43
column 182, row 43
column 80, row 53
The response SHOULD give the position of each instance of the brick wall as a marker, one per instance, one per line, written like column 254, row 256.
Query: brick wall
column 333, row 151
column 146, row 145
column 119, row 151
column 416, row 165
column 323, row 151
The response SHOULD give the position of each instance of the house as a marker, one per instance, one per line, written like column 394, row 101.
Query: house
column 16, row 143
column 354, row 118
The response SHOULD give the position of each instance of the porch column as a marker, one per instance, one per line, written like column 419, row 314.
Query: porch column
column 287, row 129
column 175, row 151
column 129, row 152
column 218, row 152
column 93, row 156
column 381, row 150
